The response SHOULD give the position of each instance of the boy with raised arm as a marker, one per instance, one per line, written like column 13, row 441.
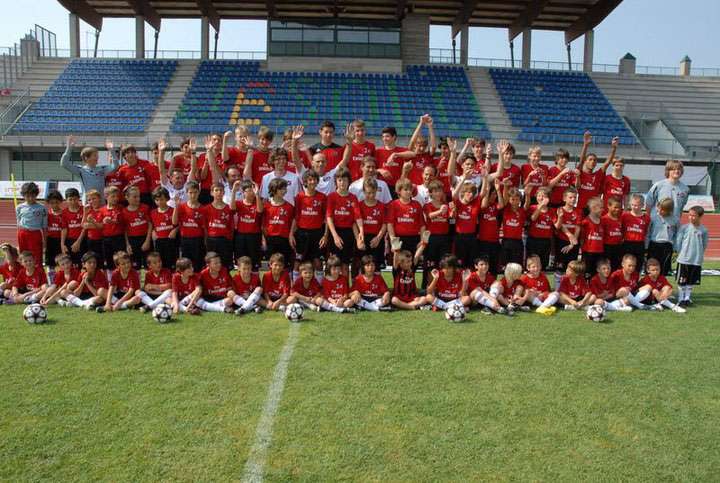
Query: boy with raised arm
column 91, row 175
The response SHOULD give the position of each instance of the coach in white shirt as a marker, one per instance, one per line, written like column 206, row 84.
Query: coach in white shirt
column 369, row 171
column 278, row 160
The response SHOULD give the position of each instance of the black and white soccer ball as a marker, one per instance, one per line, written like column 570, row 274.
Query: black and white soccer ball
column 294, row 312
column 163, row 313
column 455, row 313
column 35, row 314
column 595, row 313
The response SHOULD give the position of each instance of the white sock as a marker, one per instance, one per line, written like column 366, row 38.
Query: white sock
column 184, row 303
column 74, row 300
column 331, row 308
column 440, row 304
column 667, row 303
column 239, row 301
column 251, row 301
column 536, row 302
column 688, row 292
column 364, row 304
column 124, row 306
column 218, row 306
column 636, row 300
column 494, row 291
column 145, row 298
column 550, row 300
column 614, row 306
column 378, row 303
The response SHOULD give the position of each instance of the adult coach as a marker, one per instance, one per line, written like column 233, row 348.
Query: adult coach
column 91, row 175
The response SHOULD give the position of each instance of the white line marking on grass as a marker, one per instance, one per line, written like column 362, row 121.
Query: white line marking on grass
column 255, row 465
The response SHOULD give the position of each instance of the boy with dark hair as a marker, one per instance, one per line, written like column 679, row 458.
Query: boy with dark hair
column 248, row 227
column 90, row 287
column 164, row 232
column 308, row 234
column 278, row 216
column 73, row 234
column 32, row 220
column 54, row 231
column 333, row 153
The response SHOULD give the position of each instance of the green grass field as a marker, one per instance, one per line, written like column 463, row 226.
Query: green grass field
column 370, row 397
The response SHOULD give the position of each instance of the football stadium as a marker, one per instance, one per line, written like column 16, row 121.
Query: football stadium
column 354, row 256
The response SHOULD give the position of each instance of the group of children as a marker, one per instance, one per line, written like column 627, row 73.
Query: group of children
column 328, row 218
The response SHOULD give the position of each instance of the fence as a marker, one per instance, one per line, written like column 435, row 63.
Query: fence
column 167, row 54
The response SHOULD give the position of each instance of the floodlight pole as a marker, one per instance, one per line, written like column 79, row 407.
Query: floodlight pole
column 512, row 55
column 569, row 57
column 157, row 36
column 97, row 40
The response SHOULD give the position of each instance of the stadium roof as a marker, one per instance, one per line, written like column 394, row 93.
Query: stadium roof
column 574, row 17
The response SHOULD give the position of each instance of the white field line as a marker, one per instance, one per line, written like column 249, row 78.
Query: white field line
column 255, row 465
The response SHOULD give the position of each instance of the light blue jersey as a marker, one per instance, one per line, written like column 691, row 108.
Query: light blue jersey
column 91, row 178
column 662, row 228
column 690, row 243
column 31, row 217
column 678, row 192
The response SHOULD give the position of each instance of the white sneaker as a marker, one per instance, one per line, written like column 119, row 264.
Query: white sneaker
column 624, row 308
column 658, row 307
column 313, row 307
column 569, row 307
column 678, row 310
column 63, row 303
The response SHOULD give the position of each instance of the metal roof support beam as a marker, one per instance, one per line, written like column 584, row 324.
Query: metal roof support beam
column 83, row 10
column 526, row 18
column 591, row 19
column 463, row 16
column 400, row 12
column 207, row 9
column 144, row 9
column 271, row 9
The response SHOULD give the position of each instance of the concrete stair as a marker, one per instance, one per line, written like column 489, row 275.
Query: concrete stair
column 170, row 102
column 491, row 106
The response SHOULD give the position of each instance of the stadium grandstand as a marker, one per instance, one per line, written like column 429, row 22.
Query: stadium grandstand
column 347, row 59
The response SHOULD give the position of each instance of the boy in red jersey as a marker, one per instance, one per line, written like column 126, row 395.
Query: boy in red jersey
column 158, row 283
column 437, row 219
column 467, row 208
column 308, row 234
column 190, row 219
column 561, row 177
column 589, row 181
column 138, row 227
column 405, row 294
column 306, row 289
column 405, row 219
column 113, row 228
column 534, row 174
column 626, row 283
column 513, row 225
column 246, row 285
column 344, row 220
column 30, row 285
column 217, row 286
column 278, row 216
column 373, row 215
column 257, row 162
column 275, row 284
column 369, row 172
column 89, row 288
column 248, row 227
column 478, row 285
column 164, row 233
column 136, row 172
column 53, row 239
column 602, row 287
column 370, row 292
column 567, row 229
column 72, row 235
column 613, row 235
column 213, row 150
column 66, row 274
column 391, row 157
column 537, row 287
column 9, row 269
column 541, row 226
column 424, row 152
column 573, row 288
column 219, row 226
column 235, row 155
column 124, row 289
column 509, row 291
column 592, row 237
column 357, row 147
column 447, row 287
column 635, row 225
column 335, row 296
column 92, row 224
column 661, row 289
column 186, row 288
column 488, row 234
column 504, row 170
column 616, row 184
column 182, row 160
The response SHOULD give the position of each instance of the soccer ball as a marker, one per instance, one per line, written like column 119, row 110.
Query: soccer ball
column 294, row 312
column 455, row 313
column 162, row 313
column 35, row 314
column 595, row 313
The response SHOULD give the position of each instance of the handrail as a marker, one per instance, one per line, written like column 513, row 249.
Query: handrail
column 14, row 110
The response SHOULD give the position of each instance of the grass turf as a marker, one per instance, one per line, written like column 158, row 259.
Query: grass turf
column 391, row 396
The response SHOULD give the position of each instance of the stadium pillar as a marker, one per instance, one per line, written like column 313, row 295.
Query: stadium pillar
column 464, row 44
column 527, row 47
column 204, row 38
column 74, row 35
column 139, row 37
column 589, row 50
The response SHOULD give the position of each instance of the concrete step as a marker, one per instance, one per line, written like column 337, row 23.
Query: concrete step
column 490, row 103
column 172, row 98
